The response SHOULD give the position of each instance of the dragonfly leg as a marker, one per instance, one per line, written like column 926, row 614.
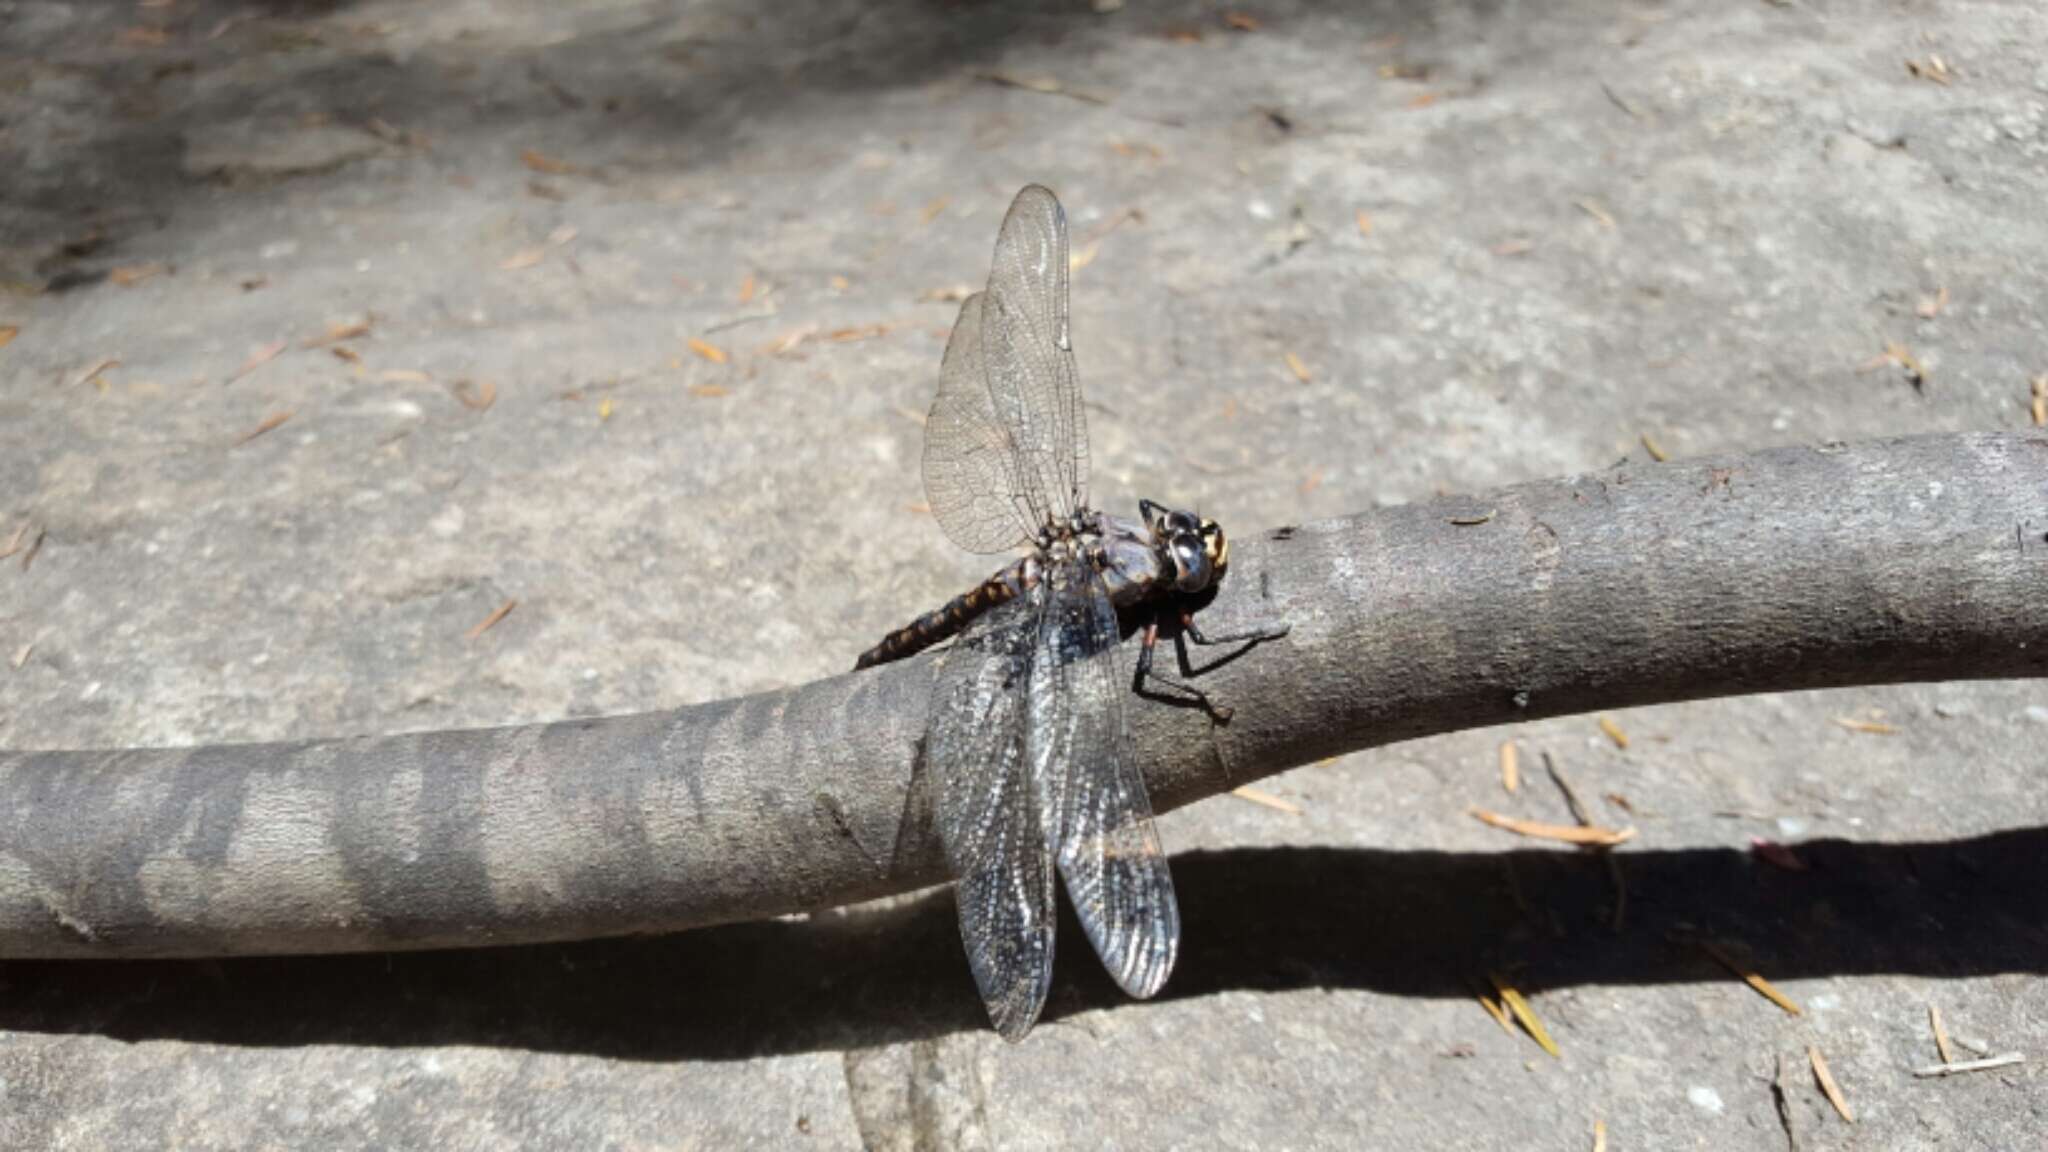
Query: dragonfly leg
column 1254, row 634
column 1185, row 692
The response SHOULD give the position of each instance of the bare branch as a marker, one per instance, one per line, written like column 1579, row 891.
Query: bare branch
column 1920, row 559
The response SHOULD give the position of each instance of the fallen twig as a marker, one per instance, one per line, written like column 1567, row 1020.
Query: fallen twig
column 1948, row 1055
column 258, row 357
column 1828, row 1087
column 1266, row 799
column 1499, row 1014
column 92, row 373
column 1614, row 732
column 1563, row 833
column 270, row 423
column 489, row 622
column 1525, row 1015
column 336, row 333
column 1763, row 987
column 1985, row 1065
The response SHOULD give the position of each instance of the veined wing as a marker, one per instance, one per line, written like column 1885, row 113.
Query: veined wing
column 996, row 845
column 1090, row 790
column 972, row 478
column 1029, row 355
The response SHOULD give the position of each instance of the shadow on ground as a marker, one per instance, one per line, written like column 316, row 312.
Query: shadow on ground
column 1419, row 924
column 659, row 88
column 155, row 108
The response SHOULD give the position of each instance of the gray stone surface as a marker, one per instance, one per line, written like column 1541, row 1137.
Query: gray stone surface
column 1589, row 222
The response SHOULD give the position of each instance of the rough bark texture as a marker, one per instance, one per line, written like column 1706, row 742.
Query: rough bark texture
column 1917, row 559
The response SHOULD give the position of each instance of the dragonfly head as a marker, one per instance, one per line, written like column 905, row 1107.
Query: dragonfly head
column 1194, row 548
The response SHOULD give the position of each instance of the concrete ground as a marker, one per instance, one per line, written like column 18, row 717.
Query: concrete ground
column 1499, row 241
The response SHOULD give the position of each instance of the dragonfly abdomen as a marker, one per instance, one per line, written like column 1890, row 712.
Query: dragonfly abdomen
column 946, row 621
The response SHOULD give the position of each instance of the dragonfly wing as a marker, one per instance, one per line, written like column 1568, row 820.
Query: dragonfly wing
column 1028, row 348
column 988, row 815
column 1091, row 791
column 971, row 477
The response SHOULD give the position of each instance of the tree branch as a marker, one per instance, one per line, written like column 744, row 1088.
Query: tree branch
column 1919, row 559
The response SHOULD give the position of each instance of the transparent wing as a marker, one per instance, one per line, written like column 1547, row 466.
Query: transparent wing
column 995, row 843
column 1090, row 790
column 1029, row 356
column 971, row 479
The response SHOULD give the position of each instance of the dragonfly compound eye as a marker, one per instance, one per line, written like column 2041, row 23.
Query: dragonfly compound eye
column 1191, row 571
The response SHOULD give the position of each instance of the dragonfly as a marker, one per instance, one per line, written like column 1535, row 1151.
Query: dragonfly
column 1027, row 737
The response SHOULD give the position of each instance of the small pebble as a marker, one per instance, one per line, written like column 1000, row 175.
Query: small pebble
column 1706, row 1100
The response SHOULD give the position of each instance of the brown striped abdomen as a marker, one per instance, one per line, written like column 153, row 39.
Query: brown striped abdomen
column 946, row 621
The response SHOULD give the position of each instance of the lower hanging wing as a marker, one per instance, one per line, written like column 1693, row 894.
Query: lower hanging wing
column 1090, row 791
column 988, row 815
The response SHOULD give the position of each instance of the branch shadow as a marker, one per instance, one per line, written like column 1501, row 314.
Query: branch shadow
column 1417, row 924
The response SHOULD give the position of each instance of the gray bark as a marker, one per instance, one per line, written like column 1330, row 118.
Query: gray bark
column 1907, row 560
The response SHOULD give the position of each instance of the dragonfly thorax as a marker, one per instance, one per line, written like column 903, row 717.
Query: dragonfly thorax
column 1070, row 532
